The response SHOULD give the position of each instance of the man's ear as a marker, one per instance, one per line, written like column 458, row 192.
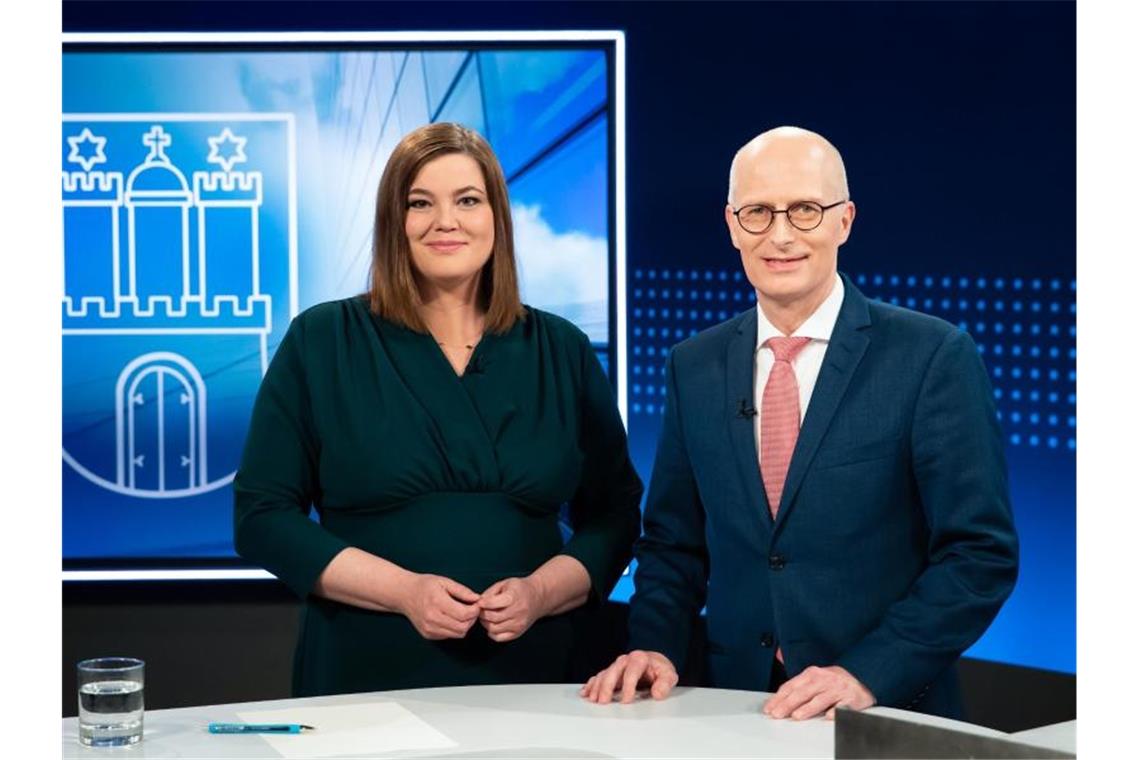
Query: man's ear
column 846, row 221
column 730, row 221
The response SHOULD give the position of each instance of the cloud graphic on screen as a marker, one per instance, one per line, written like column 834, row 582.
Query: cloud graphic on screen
column 282, row 82
column 562, row 272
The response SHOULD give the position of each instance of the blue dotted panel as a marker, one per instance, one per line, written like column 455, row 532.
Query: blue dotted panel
column 1025, row 329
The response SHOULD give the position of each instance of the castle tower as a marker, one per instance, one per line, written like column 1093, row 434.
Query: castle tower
column 158, row 228
column 91, row 203
column 228, row 204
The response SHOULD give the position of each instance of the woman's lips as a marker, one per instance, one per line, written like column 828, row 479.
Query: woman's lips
column 447, row 245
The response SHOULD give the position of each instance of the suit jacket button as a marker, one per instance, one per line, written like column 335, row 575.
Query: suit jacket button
column 776, row 562
column 766, row 640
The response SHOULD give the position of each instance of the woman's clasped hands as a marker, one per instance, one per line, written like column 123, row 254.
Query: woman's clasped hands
column 441, row 608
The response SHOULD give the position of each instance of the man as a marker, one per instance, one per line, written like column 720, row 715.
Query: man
column 829, row 480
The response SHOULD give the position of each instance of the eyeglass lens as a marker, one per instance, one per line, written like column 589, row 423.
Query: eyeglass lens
column 804, row 216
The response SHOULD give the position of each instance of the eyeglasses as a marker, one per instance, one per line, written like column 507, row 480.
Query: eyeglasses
column 803, row 215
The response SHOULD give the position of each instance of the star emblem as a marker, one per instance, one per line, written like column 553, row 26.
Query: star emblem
column 81, row 145
column 227, row 149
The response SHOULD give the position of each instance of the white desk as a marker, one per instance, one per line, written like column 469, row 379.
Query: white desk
column 539, row 721
column 1059, row 736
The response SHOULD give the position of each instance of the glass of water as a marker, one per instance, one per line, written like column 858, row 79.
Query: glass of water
column 110, row 701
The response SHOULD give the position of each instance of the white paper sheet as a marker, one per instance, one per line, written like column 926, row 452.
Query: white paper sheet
column 361, row 728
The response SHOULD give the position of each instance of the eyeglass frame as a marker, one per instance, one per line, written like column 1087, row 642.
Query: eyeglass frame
column 822, row 210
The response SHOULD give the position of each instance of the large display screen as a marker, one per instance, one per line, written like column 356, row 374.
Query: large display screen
column 214, row 188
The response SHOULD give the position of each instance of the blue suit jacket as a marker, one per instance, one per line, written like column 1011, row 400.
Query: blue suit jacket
column 894, row 546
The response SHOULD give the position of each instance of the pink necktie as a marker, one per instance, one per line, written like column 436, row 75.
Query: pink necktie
column 779, row 418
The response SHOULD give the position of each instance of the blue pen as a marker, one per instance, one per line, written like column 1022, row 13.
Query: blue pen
column 258, row 728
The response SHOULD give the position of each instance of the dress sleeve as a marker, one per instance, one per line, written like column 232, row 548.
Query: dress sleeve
column 605, row 512
column 277, row 482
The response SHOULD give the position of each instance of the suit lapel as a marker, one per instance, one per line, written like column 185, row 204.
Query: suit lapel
column 739, row 386
column 848, row 342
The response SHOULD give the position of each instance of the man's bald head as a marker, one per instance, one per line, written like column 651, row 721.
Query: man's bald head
column 791, row 144
column 792, row 266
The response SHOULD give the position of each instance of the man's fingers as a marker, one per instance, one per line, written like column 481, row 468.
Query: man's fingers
column 621, row 679
column 596, row 689
column 663, row 683
column 777, row 699
column 610, row 679
column 634, row 669
column 814, row 706
column 599, row 684
column 789, row 703
column 790, row 696
column 817, row 691
column 794, row 693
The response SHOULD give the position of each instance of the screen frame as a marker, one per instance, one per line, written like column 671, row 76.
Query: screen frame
column 210, row 570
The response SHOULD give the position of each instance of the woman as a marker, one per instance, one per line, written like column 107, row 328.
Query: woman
column 437, row 425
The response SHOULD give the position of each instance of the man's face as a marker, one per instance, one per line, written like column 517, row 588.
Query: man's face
column 787, row 266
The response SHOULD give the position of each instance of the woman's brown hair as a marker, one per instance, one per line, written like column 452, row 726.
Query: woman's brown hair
column 392, row 292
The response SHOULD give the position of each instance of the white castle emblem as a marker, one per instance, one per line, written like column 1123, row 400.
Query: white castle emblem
column 169, row 295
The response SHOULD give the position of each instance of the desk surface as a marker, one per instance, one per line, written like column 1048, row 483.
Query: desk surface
column 1061, row 736
column 542, row 721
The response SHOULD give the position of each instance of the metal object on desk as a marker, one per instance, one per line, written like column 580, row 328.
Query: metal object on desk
column 862, row 735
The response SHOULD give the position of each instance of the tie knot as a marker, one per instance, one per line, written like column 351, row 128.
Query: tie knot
column 786, row 349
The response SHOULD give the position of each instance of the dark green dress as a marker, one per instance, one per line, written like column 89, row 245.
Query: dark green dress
column 461, row 476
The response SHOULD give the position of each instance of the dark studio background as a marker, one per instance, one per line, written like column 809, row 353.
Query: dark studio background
column 957, row 123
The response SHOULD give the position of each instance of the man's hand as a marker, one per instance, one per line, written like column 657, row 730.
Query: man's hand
column 509, row 607
column 439, row 607
column 638, row 669
column 817, row 690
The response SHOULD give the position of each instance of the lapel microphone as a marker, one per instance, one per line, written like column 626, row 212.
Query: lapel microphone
column 745, row 410
column 475, row 366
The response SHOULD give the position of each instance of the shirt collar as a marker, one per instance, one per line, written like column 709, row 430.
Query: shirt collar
column 817, row 327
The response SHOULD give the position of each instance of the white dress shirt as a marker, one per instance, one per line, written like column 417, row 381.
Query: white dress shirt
column 808, row 361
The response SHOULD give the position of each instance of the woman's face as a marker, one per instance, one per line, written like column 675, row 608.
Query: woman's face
column 449, row 222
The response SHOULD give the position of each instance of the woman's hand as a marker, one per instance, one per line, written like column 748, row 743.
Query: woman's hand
column 509, row 607
column 438, row 607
